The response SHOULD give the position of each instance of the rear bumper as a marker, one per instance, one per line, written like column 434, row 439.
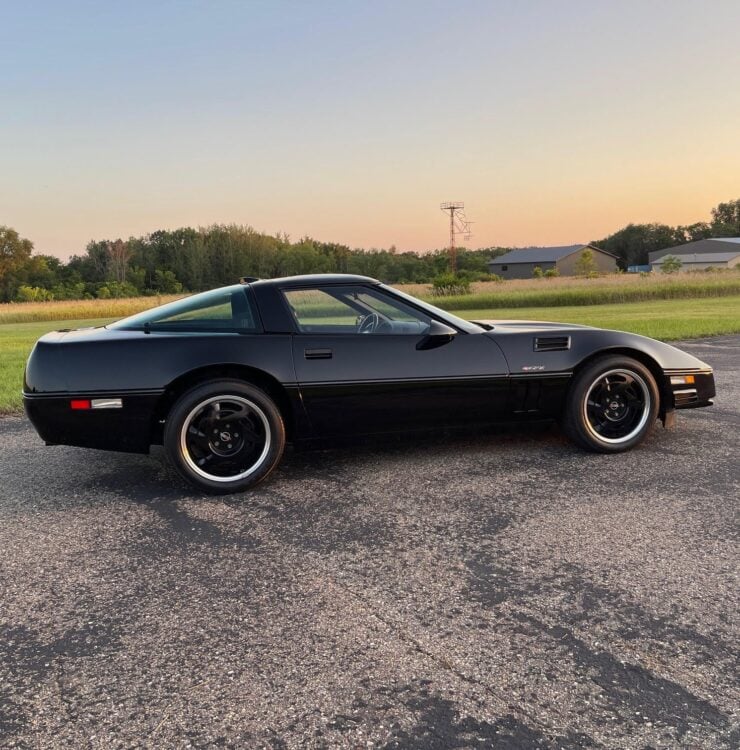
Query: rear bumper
column 127, row 429
column 689, row 389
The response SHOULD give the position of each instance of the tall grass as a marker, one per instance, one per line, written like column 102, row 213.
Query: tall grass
column 82, row 309
column 592, row 292
column 557, row 292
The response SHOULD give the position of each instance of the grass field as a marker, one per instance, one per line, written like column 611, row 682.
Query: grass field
column 79, row 309
column 557, row 292
column 668, row 320
column 16, row 341
column 606, row 290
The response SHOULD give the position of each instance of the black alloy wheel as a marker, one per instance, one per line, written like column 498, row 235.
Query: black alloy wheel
column 612, row 405
column 224, row 436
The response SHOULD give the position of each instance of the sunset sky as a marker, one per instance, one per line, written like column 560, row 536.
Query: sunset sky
column 555, row 122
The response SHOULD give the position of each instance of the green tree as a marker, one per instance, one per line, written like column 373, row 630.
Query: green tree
column 166, row 282
column 14, row 251
column 586, row 264
column 726, row 219
column 670, row 264
column 633, row 243
column 700, row 230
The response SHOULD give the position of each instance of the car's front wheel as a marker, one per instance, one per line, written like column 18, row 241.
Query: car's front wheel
column 224, row 436
column 612, row 405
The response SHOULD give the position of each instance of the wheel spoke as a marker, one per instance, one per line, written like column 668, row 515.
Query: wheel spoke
column 199, row 438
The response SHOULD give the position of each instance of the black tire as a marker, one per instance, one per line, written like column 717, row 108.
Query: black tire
column 612, row 405
column 224, row 436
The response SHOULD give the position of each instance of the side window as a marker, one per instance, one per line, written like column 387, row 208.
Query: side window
column 317, row 310
column 353, row 309
column 219, row 310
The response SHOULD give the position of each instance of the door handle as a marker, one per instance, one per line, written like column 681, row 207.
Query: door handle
column 318, row 353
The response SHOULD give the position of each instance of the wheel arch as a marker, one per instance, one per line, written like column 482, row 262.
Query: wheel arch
column 652, row 365
column 252, row 375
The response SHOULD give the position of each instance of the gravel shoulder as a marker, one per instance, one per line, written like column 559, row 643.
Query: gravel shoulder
column 497, row 591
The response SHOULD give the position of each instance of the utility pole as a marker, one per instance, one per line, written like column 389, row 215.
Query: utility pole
column 458, row 225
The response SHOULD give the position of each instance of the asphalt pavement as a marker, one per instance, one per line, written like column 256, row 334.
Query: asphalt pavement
column 500, row 590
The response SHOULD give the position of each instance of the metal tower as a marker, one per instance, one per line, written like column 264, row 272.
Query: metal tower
column 458, row 225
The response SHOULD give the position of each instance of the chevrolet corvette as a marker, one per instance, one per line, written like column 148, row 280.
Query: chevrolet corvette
column 223, row 379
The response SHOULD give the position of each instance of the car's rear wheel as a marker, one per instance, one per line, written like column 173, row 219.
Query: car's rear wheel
column 612, row 405
column 224, row 436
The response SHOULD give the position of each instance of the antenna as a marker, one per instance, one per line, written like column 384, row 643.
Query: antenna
column 458, row 225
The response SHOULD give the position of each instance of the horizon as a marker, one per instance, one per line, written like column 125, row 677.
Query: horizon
column 351, row 123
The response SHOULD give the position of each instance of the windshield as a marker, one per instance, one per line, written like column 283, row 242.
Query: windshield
column 463, row 325
column 226, row 309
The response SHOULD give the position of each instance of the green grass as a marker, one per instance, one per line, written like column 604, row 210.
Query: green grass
column 668, row 320
column 16, row 342
column 563, row 291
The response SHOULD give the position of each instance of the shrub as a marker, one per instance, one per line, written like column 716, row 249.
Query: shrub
column 450, row 285
column 552, row 273
column 116, row 290
column 473, row 276
column 33, row 294
column 166, row 282
column 670, row 264
column 538, row 273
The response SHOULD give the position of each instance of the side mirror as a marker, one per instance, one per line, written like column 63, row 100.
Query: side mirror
column 437, row 335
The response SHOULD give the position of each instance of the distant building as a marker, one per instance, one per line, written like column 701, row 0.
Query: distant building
column 520, row 263
column 700, row 261
column 700, row 247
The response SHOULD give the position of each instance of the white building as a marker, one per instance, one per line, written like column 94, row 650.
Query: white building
column 700, row 261
column 714, row 252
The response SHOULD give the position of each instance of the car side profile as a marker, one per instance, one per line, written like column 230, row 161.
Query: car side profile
column 223, row 379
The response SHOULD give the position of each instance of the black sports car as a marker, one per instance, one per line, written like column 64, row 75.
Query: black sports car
column 224, row 378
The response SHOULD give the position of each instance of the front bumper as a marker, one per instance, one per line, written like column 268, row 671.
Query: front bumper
column 689, row 389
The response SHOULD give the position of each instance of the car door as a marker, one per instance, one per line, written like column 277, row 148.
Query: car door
column 358, row 378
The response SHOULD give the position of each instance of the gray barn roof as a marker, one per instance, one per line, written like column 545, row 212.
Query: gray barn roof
column 541, row 254
column 710, row 245
column 701, row 257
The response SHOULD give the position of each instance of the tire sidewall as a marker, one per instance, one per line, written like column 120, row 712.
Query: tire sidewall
column 189, row 400
column 575, row 420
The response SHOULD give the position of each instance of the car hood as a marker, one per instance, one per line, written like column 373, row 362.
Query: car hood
column 537, row 346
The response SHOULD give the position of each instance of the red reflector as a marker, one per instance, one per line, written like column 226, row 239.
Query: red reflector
column 80, row 403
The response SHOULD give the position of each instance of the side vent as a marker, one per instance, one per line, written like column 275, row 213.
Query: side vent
column 551, row 343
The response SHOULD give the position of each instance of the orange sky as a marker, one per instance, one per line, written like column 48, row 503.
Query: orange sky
column 554, row 122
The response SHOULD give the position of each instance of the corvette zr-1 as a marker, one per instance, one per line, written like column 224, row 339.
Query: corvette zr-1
column 224, row 378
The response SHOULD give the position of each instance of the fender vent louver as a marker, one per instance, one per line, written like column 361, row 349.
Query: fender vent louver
column 551, row 343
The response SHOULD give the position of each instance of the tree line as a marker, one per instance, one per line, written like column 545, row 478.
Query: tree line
column 187, row 259
column 633, row 243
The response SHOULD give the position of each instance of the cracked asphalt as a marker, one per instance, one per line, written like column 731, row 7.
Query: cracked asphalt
column 501, row 590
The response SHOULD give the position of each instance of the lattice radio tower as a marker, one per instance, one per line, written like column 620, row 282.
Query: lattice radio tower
column 458, row 225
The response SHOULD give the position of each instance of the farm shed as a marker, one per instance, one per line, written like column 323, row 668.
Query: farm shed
column 710, row 246
column 520, row 263
column 701, row 261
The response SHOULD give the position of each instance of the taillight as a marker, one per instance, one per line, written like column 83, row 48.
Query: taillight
column 80, row 403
